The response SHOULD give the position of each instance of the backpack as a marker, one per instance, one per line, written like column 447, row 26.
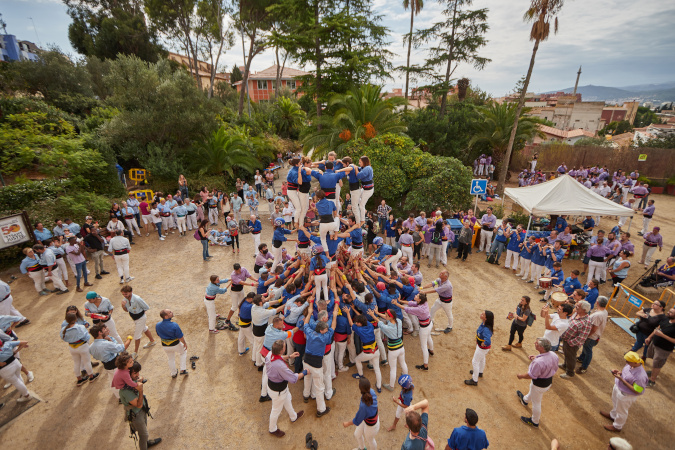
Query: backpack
column 436, row 238
column 492, row 258
column 197, row 235
column 531, row 318
column 243, row 227
column 429, row 443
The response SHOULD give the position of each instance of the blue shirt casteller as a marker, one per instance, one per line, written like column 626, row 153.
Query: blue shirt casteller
column 168, row 330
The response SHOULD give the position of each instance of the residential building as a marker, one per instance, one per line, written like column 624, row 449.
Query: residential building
column 261, row 84
column 12, row 49
column 654, row 131
column 568, row 137
column 203, row 70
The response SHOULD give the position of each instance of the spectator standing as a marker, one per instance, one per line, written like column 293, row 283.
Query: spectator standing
column 629, row 384
column 575, row 336
column 599, row 321
column 468, row 436
column 649, row 320
column 383, row 211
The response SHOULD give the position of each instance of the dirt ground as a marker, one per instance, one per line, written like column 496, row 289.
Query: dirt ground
column 216, row 406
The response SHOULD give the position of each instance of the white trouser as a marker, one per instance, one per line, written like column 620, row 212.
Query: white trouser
column 511, row 255
column 236, row 297
column 485, row 240
column 314, row 384
column 597, row 220
column 182, row 224
column 622, row 221
column 408, row 252
column 257, row 346
column 140, row 327
column 256, row 241
column 38, row 278
column 407, row 321
column 444, row 252
column 245, row 334
column 132, row 225
column 321, row 282
column 343, row 347
column 372, row 358
column 622, row 403
column 354, row 252
column 171, row 353
column 624, row 191
column 112, row 328
column 276, row 252
column 294, row 198
column 446, row 307
column 390, row 241
column 211, row 313
column 213, row 215
column 304, row 207
column 596, row 269
column 391, row 262
column 281, row 400
column 396, row 357
column 328, row 371
column 356, row 198
column 478, row 362
column 337, row 195
column 426, row 341
column 192, row 221
column 647, row 253
column 645, row 225
column 365, row 435
column 7, row 308
column 480, row 169
column 525, row 265
column 56, row 279
column 535, row 270
column 64, row 269
column 81, row 360
column 122, row 262
column 147, row 219
column 111, row 374
column 11, row 373
column 535, row 395
column 270, row 207
column 363, row 199
column 325, row 228
column 380, row 344
column 166, row 223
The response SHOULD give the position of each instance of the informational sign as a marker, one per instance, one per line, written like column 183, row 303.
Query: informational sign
column 642, row 157
column 633, row 300
column 14, row 230
column 478, row 187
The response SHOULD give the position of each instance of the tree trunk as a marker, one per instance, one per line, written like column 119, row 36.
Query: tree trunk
column 407, row 64
column 317, row 49
column 244, row 82
column 278, row 77
column 521, row 102
column 444, row 98
column 214, row 65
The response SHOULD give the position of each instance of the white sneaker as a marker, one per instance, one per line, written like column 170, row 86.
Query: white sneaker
column 130, row 279
column 149, row 344
column 8, row 385
column 344, row 369
column 147, row 234
column 23, row 399
column 31, row 377
column 134, row 355
column 162, row 238
column 121, row 280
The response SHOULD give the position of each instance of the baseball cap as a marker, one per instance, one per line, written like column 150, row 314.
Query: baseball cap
column 91, row 295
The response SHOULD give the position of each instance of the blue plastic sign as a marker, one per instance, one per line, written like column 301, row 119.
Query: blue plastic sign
column 633, row 300
column 478, row 187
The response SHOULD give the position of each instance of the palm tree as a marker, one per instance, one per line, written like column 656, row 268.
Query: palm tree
column 496, row 126
column 287, row 116
column 541, row 13
column 415, row 8
column 222, row 152
column 362, row 113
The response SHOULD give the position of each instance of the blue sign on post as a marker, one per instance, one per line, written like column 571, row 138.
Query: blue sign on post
column 633, row 300
column 478, row 187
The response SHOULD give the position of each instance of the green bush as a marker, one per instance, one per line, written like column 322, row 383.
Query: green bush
column 520, row 218
column 17, row 197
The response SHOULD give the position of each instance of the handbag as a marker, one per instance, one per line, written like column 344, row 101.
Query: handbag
column 635, row 328
column 531, row 318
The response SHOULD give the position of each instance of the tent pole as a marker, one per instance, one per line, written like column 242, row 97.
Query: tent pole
column 475, row 208
column 529, row 222
column 629, row 223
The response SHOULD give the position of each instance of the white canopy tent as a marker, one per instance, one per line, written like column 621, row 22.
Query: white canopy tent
column 564, row 196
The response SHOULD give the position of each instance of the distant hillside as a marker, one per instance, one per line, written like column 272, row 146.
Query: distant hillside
column 656, row 93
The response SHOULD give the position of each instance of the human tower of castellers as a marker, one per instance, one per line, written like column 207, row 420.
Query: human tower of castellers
column 329, row 307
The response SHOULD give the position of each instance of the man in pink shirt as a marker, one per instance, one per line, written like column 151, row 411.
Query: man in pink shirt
column 541, row 371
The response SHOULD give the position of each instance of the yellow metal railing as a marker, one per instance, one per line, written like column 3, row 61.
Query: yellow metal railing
column 625, row 302
column 668, row 294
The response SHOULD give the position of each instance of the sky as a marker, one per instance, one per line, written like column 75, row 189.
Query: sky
column 617, row 42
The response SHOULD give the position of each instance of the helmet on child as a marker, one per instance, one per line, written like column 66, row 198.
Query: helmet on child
column 378, row 241
column 278, row 222
column 405, row 381
column 317, row 249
